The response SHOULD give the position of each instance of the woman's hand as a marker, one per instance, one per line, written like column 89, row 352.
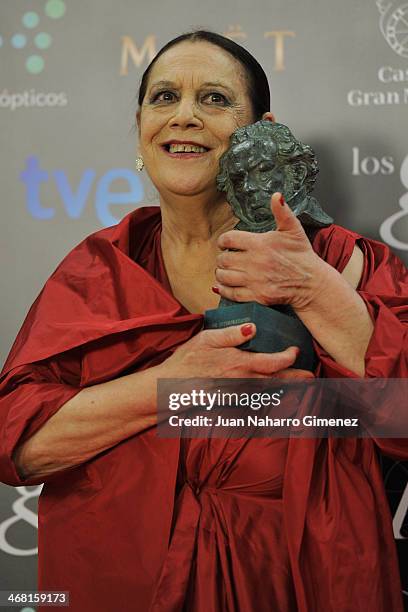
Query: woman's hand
column 276, row 267
column 280, row 267
column 213, row 353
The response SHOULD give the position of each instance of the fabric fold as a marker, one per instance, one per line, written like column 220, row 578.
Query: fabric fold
column 107, row 311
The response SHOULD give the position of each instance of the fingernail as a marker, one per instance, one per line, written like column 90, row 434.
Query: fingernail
column 282, row 201
column 297, row 350
column 247, row 329
column 215, row 289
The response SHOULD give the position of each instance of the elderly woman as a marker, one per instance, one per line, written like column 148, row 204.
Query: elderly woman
column 129, row 521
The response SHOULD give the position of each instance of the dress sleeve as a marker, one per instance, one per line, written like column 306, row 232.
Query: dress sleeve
column 384, row 289
column 29, row 395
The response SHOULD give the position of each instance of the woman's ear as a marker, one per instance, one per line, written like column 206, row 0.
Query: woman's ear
column 269, row 116
column 138, row 121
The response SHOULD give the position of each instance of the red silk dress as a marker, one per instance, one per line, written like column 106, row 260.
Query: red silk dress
column 228, row 510
column 158, row 526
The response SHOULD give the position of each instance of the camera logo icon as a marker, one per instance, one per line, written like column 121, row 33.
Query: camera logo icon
column 33, row 34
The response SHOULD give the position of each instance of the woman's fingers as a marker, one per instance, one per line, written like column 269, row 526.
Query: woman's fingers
column 258, row 363
column 273, row 267
column 236, row 239
column 235, row 294
column 294, row 373
column 232, row 260
column 228, row 337
column 201, row 356
column 233, row 278
column 286, row 220
column 269, row 363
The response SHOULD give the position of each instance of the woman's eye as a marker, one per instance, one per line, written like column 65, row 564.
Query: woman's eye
column 163, row 96
column 216, row 98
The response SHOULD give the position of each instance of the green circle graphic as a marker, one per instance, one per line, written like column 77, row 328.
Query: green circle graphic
column 55, row 9
column 30, row 19
column 43, row 40
column 35, row 64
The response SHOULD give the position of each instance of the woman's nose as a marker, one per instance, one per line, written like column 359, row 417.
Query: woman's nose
column 186, row 115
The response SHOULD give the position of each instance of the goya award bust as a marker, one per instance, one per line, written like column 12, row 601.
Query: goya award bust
column 263, row 158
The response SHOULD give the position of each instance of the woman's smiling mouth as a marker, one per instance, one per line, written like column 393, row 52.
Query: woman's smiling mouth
column 185, row 149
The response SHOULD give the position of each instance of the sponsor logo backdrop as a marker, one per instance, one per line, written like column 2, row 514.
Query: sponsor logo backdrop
column 69, row 77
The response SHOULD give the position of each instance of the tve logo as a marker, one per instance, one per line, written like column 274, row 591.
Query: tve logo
column 75, row 199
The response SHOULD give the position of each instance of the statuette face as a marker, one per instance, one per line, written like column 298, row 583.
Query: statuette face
column 263, row 158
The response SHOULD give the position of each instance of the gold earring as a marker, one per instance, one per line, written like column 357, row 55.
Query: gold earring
column 139, row 163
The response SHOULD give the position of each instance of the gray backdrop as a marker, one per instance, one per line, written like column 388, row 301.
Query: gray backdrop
column 69, row 76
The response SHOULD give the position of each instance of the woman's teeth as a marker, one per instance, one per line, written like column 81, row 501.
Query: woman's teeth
column 186, row 148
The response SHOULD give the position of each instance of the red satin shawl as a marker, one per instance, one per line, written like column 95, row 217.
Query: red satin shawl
column 105, row 527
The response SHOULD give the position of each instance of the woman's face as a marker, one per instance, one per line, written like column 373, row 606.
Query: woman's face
column 196, row 97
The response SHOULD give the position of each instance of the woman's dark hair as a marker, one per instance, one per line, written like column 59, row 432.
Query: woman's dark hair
column 258, row 88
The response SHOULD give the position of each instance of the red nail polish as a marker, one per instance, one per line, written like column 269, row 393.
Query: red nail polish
column 215, row 289
column 282, row 200
column 246, row 330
